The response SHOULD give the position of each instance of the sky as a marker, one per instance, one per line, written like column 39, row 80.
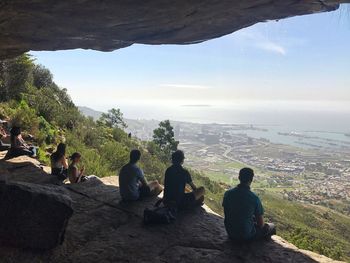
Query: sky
column 303, row 59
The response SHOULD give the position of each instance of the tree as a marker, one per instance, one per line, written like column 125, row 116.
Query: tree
column 163, row 137
column 15, row 74
column 42, row 77
column 113, row 119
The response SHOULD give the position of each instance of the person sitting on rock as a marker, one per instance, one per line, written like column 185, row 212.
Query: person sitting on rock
column 244, row 212
column 176, row 179
column 59, row 165
column 3, row 136
column 19, row 146
column 74, row 174
column 132, row 183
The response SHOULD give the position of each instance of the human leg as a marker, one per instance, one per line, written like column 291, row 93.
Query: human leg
column 265, row 232
column 199, row 193
column 155, row 188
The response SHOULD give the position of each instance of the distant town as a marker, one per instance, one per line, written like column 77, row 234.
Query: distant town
column 312, row 174
column 312, row 169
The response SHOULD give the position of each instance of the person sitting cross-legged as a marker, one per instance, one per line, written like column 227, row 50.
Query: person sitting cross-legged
column 18, row 146
column 132, row 183
column 244, row 212
column 176, row 178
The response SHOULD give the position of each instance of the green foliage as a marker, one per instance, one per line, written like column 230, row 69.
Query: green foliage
column 30, row 98
column 42, row 77
column 163, row 137
column 47, row 132
column 115, row 154
column 113, row 119
column 25, row 117
column 14, row 76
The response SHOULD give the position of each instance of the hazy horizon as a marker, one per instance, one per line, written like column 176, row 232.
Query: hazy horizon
column 299, row 64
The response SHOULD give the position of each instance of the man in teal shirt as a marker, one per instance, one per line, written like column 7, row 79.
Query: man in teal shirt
column 244, row 211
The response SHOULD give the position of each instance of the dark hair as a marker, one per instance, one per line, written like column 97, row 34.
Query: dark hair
column 15, row 131
column 135, row 156
column 178, row 157
column 74, row 156
column 61, row 151
column 246, row 175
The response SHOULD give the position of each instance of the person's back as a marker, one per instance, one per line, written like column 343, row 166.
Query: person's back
column 133, row 185
column 59, row 164
column 244, row 212
column 129, row 178
column 240, row 208
column 176, row 178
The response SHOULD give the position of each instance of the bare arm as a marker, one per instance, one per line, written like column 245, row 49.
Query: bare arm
column 193, row 186
column 64, row 162
column 143, row 181
column 260, row 221
column 75, row 176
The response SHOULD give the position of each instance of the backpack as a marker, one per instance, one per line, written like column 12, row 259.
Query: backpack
column 159, row 215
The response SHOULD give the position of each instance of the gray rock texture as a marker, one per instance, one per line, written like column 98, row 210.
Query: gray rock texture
column 102, row 230
column 112, row 24
column 33, row 216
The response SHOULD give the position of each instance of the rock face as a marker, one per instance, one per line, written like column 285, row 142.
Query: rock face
column 33, row 216
column 111, row 24
column 102, row 230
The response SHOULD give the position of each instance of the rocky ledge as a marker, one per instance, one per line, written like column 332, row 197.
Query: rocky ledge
column 111, row 24
column 102, row 230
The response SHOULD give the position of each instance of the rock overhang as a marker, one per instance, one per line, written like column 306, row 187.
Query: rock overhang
column 112, row 24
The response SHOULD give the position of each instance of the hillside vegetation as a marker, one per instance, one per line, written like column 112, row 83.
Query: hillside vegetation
column 29, row 98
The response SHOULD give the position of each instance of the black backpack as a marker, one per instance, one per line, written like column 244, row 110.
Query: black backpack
column 159, row 215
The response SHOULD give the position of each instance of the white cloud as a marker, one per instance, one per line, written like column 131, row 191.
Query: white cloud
column 272, row 47
column 261, row 41
column 185, row 86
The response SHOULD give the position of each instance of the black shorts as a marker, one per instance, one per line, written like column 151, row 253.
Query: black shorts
column 188, row 200
column 145, row 191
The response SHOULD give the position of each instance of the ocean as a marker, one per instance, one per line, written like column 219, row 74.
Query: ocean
column 305, row 124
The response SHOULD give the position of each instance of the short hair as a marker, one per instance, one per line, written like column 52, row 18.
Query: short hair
column 178, row 157
column 246, row 175
column 135, row 156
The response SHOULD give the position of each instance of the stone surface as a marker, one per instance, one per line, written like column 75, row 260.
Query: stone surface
column 32, row 215
column 102, row 230
column 111, row 24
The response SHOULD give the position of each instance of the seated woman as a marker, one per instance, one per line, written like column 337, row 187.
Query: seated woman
column 74, row 174
column 77, row 176
column 19, row 146
column 59, row 165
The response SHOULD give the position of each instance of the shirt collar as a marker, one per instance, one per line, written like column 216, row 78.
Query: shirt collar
column 244, row 186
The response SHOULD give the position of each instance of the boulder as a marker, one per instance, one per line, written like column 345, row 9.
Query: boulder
column 33, row 216
column 104, row 230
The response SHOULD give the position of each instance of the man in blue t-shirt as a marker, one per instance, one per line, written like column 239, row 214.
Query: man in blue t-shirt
column 132, row 183
column 244, row 211
column 175, row 181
